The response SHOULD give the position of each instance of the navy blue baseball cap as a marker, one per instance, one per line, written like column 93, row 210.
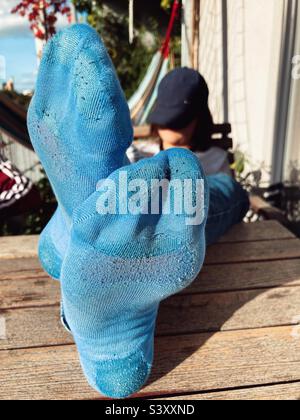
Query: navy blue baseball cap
column 182, row 96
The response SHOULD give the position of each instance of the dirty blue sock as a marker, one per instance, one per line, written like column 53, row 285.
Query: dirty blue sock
column 80, row 127
column 53, row 244
column 117, row 270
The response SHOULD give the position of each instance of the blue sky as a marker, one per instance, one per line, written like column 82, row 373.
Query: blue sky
column 17, row 45
column 20, row 57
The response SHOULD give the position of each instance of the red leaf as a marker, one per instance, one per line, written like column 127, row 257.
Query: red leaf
column 39, row 34
column 32, row 9
column 66, row 10
column 51, row 19
column 52, row 30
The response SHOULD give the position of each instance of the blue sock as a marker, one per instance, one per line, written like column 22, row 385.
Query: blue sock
column 80, row 127
column 53, row 244
column 117, row 270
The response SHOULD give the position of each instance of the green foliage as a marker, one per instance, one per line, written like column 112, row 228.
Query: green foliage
column 166, row 4
column 130, row 61
column 239, row 164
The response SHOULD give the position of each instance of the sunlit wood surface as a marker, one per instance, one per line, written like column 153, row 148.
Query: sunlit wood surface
column 234, row 334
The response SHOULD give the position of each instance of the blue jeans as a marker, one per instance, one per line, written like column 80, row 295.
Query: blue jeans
column 229, row 204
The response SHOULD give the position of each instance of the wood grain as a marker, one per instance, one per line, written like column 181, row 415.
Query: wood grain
column 18, row 247
column 34, row 327
column 225, row 360
column 253, row 251
column 268, row 231
column 40, row 290
column 245, row 276
column 20, row 266
column 287, row 392
column 28, row 292
column 235, row 327
column 230, row 311
column 40, row 326
column 183, row 364
column 223, row 253
column 26, row 246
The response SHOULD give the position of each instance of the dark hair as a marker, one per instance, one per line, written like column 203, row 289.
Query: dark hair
column 201, row 141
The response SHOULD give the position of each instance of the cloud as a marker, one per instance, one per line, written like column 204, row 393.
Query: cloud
column 13, row 24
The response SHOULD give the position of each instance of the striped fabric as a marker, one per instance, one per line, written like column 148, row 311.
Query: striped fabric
column 13, row 185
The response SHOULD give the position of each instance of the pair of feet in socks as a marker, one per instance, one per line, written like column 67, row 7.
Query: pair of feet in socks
column 114, row 269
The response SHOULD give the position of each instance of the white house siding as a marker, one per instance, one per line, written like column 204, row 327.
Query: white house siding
column 292, row 155
column 254, row 48
column 211, row 58
column 255, row 33
column 210, row 49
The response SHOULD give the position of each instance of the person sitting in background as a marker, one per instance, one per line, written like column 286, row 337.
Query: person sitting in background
column 182, row 118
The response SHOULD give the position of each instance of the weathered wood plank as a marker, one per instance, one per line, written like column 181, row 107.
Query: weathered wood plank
column 229, row 311
column 26, row 246
column 17, row 266
column 213, row 278
column 27, row 289
column 46, row 373
column 28, row 292
column 253, row 251
column 226, row 360
column 287, row 392
column 268, row 230
column 18, row 247
column 220, row 253
column 34, row 327
column 183, row 364
column 245, row 276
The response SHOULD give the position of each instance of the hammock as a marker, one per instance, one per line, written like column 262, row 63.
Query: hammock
column 143, row 100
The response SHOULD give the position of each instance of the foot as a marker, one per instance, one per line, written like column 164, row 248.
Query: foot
column 79, row 124
column 118, row 269
column 53, row 244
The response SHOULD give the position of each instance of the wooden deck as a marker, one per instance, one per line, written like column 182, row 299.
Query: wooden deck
column 235, row 334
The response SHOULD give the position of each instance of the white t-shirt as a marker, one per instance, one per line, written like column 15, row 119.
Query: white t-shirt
column 214, row 160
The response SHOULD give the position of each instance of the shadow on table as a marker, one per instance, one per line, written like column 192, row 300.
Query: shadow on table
column 179, row 315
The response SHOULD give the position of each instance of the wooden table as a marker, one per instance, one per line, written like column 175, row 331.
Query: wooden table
column 235, row 334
